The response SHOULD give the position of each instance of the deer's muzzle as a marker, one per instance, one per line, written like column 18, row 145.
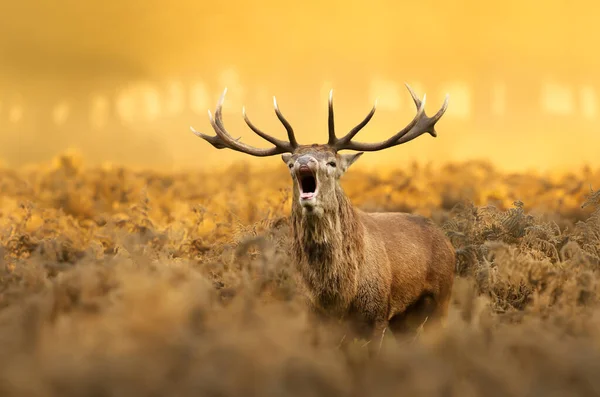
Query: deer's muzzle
column 307, row 182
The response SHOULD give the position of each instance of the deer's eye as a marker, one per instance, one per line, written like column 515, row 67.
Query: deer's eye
column 290, row 165
column 331, row 164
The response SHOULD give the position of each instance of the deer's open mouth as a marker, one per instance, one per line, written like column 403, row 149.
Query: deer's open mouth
column 307, row 182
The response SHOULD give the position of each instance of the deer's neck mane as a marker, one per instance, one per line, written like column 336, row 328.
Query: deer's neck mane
column 328, row 249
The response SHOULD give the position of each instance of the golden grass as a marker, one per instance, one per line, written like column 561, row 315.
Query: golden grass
column 123, row 283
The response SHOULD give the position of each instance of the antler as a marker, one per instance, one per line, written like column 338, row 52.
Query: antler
column 223, row 140
column 419, row 125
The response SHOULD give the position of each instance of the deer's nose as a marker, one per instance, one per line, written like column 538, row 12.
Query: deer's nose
column 306, row 161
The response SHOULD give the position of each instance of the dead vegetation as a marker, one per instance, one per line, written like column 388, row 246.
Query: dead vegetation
column 123, row 283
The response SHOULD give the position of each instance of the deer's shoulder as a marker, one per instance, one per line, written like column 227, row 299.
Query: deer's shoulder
column 400, row 226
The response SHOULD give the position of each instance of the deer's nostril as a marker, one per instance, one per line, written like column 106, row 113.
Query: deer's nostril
column 305, row 160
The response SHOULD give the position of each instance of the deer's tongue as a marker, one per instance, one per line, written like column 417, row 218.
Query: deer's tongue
column 307, row 196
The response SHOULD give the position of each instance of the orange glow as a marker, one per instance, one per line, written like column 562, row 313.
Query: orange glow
column 122, row 81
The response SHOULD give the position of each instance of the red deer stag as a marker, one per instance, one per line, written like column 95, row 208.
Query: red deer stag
column 377, row 270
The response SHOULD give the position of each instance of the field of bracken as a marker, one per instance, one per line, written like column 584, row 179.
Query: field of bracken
column 117, row 282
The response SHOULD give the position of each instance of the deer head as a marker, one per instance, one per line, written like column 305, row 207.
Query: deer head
column 316, row 169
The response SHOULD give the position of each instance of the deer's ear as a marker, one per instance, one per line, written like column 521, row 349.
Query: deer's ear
column 349, row 159
column 286, row 157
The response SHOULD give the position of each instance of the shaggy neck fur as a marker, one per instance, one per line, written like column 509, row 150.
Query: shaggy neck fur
column 328, row 249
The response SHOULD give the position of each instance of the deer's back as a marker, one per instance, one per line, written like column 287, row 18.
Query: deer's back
column 412, row 252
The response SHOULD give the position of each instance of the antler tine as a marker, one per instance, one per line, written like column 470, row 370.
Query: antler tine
column 427, row 124
column 419, row 125
column 224, row 140
column 213, row 140
column 267, row 137
column 330, row 121
column 436, row 117
column 348, row 137
column 216, row 141
column 286, row 124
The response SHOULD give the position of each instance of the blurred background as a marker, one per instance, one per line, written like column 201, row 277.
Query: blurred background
column 121, row 81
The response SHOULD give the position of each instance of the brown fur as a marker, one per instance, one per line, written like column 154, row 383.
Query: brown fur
column 373, row 269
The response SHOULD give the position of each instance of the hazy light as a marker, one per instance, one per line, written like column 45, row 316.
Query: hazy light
column 199, row 98
column 262, row 96
column 99, row 112
column 460, row 99
column 139, row 102
column 175, row 98
column 388, row 92
column 557, row 99
column 150, row 103
column 15, row 114
column 61, row 112
column 230, row 79
column 498, row 100
column 588, row 101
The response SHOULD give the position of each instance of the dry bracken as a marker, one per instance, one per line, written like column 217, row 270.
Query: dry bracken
column 116, row 282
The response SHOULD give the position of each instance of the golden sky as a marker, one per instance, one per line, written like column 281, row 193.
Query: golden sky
column 123, row 80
